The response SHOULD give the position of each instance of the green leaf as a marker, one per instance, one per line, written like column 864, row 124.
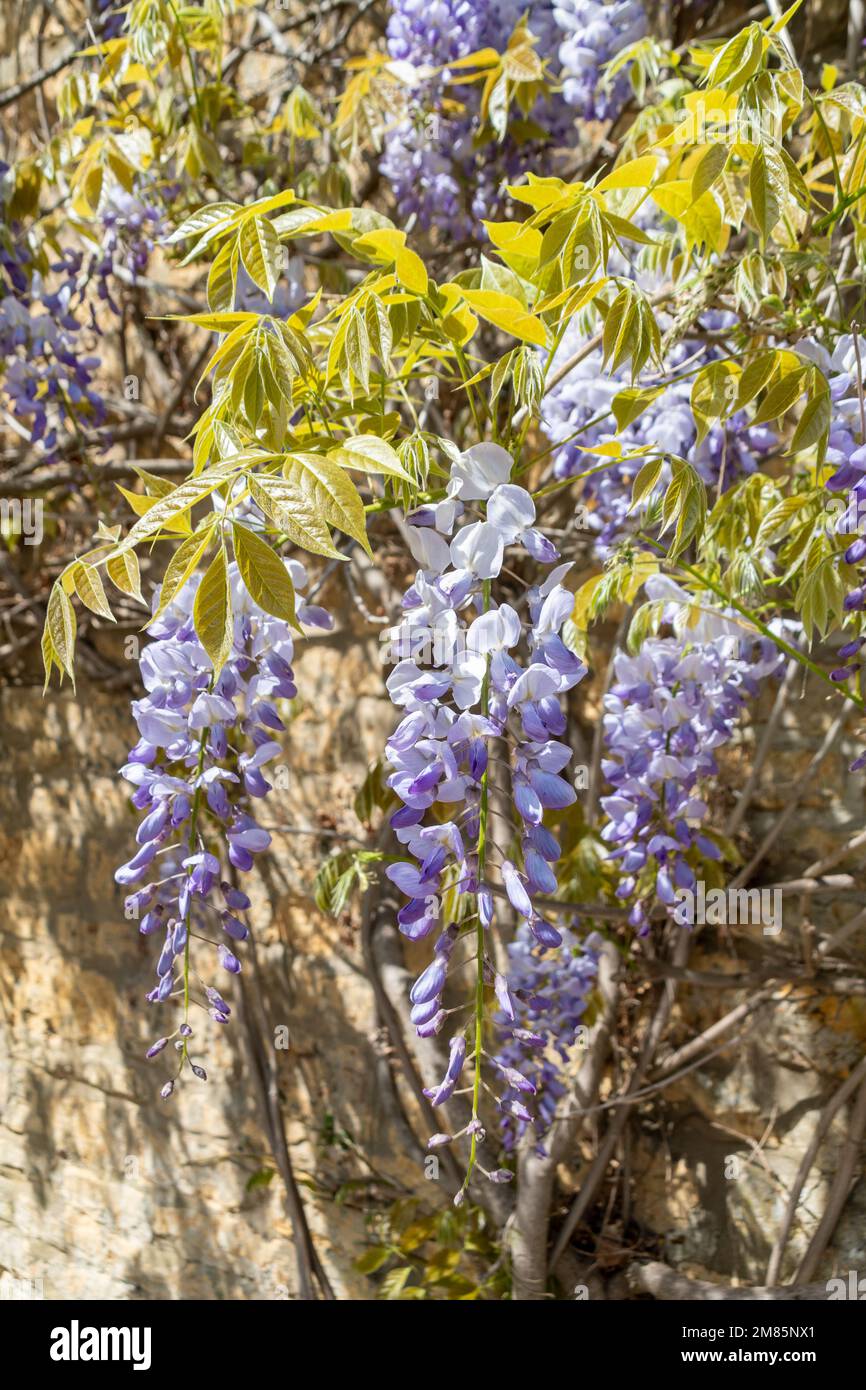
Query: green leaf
column 61, row 626
column 49, row 658
column 222, row 279
column 292, row 512
column 370, row 454
column 90, row 589
column 684, row 507
column 212, row 215
column 755, row 377
column 358, row 348
column 190, row 491
column 820, row 597
column 621, row 335
column 646, row 479
column 502, row 280
column 334, row 882
column 768, row 188
column 394, row 1284
column 645, row 623
column 507, row 313
column 212, row 612
column 265, row 576
column 737, row 60
column 182, row 566
column 261, row 252
column 778, row 519
column 781, row 396
column 124, row 573
column 155, row 486
column 373, row 794
column 814, row 424
column 637, row 173
column 372, row 1260
column 714, row 395
column 379, row 329
column 329, row 493
column 710, row 166
column 628, row 404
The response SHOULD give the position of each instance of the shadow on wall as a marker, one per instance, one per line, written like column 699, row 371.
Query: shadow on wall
column 105, row 1190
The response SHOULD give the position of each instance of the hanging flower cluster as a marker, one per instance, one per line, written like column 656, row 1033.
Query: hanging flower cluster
column 846, row 456
column 422, row 166
column 595, row 34
column 442, row 174
column 132, row 224
column 48, row 381
column 464, row 693
column 581, row 404
column 197, row 768
column 548, row 992
column 668, row 710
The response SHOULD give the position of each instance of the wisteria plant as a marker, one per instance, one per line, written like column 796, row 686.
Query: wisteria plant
column 591, row 353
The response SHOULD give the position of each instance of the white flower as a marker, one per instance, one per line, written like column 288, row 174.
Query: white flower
column 476, row 473
column 533, row 684
column 468, row 677
column 511, row 510
column 429, row 548
column 496, row 631
column 557, row 606
column 479, row 549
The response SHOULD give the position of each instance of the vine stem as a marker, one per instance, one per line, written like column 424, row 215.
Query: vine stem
column 479, row 926
column 762, row 627
column 189, row 57
column 193, row 833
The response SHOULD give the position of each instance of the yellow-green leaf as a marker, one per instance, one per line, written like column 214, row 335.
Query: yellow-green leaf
column 123, row 571
column 181, row 566
column 507, row 313
column 292, row 512
column 370, row 454
column 330, row 493
column 192, row 490
column 90, row 589
column 212, row 612
column 637, row 173
column 260, row 252
column 61, row 626
column 265, row 576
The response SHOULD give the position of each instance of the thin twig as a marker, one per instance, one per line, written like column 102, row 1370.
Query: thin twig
column 823, row 1124
column 745, row 797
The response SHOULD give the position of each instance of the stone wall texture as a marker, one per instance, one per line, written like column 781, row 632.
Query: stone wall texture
column 108, row 1192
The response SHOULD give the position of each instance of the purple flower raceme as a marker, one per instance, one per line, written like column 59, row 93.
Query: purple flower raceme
column 668, row 710
column 846, row 459
column 542, row 1001
column 197, row 769
column 472, row 678
column 424, row 152
column 48, row 381
column 440, row 174
column 584, row 398
column 132, row 224
column 594, row 34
